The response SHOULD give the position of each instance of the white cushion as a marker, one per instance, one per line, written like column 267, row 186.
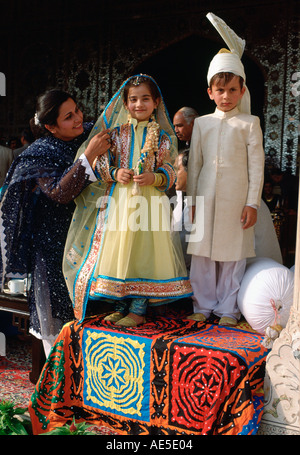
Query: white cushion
column 267, row 287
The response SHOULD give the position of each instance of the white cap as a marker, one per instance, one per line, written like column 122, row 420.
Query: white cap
column 229, row 60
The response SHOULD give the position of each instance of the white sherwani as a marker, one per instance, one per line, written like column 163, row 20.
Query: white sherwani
column 226, row 167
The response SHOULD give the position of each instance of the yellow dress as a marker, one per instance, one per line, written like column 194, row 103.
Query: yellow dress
column 132, row 252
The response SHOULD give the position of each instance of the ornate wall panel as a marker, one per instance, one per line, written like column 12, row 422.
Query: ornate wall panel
column 290, row 140
column 280, row 59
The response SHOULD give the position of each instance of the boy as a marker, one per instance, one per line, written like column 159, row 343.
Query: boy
column 226, row 167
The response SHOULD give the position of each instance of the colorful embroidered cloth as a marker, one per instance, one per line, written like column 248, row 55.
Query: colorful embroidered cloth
column 169, row 376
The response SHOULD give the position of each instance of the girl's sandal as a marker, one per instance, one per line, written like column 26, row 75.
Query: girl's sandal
column 129, row 322
column 114, row 317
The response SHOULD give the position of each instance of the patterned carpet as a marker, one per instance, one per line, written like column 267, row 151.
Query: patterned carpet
column 14, row 371
column 15, row 384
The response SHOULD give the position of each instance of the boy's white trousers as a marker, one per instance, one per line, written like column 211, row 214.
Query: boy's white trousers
column 216, row 285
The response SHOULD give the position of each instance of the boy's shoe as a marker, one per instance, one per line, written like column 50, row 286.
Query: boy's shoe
column 114, row 317
column 231, row 322
column 197, row 317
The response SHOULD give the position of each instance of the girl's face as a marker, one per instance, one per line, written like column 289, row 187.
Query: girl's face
column 69, row 123
column 227, row 97
column 140, row 103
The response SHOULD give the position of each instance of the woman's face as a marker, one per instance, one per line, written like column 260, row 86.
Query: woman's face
column 140, row 103
column 69, row 123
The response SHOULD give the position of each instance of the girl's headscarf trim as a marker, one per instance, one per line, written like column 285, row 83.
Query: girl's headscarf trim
column 115, row 114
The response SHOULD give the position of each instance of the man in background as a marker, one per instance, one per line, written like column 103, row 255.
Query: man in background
column 183, row 122
column 26, row 139
column 6, row 158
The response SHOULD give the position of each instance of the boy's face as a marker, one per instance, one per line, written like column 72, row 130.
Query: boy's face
column 227, row 96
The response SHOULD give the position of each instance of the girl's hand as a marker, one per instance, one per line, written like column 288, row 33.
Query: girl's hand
column 144, row 179
column 123, row 175
column 249, row 217
column 98, row 145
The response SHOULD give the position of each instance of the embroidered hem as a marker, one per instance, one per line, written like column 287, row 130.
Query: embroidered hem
column 115, row 288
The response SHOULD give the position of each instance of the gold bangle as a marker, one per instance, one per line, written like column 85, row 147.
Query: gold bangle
column 155, row 179
column 159, row 179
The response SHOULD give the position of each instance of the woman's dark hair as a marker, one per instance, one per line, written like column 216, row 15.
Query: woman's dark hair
column 138, row 80
column 48, row 104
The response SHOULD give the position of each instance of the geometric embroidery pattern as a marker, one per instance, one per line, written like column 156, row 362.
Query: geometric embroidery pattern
column 115, row 375
column 202, row 382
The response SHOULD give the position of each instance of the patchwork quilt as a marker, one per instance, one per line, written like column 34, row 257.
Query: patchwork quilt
column 169, row 376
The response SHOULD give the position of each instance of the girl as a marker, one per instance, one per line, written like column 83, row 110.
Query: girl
column 127, row 253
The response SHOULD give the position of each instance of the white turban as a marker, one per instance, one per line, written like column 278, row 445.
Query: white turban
column 229, row 61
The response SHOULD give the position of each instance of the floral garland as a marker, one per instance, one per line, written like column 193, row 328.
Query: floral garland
column 150, row 147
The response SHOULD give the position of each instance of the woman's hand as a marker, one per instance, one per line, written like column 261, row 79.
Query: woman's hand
column 98, row 145
column 144, row 179
column 123, row 175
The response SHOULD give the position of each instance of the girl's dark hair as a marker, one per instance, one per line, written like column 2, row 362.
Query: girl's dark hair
column 138, row 80
column 223, row 79
column 48, row 104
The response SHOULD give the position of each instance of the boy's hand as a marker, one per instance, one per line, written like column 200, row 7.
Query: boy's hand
column 144, row 179
column 249, row 217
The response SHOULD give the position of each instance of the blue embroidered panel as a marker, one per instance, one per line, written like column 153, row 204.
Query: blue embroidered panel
column 117, row 373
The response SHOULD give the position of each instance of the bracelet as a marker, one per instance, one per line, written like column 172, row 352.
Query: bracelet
column 159, row 179
column 113, row 172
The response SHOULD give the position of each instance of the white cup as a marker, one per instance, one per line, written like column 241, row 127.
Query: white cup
column 16, row 286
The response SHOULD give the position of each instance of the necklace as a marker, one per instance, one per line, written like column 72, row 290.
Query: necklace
column 150, row 147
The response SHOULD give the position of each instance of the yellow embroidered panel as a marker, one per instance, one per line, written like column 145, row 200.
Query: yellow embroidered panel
column 117, row 373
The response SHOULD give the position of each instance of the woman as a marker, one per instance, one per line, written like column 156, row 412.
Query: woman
column 37, row 205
